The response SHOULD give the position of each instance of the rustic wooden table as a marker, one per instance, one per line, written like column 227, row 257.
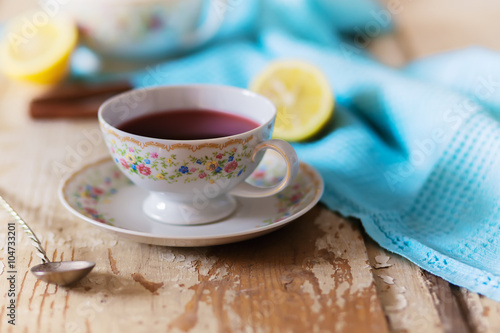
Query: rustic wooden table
column 319, row 274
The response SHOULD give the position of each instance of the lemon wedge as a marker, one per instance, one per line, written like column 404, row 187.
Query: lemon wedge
column 301, row 94
column 37, row 48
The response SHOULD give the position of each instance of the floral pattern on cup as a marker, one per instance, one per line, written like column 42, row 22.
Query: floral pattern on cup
column 91, row 194
column 144, row 22
column 209, row 168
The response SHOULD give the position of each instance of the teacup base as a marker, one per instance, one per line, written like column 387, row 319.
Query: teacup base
column 186, row 211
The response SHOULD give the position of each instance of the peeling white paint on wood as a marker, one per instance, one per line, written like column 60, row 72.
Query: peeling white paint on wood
column 398, row 304
column 382, row 261
column 408, row 304
column 476, row 311
column 491, row 313
column 386, row 278
column 308, row 289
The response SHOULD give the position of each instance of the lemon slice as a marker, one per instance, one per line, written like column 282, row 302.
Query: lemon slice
column 37, row 48
column 302, row 95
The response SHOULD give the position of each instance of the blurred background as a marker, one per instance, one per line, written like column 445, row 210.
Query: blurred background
column 423, row 27
column 113, row 38
column 426, row 27
column 126, row 36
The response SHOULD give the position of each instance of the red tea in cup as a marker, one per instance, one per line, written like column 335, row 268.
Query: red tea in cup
column 188, row 124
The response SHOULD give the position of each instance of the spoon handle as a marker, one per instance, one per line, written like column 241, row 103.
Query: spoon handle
column 35, row 241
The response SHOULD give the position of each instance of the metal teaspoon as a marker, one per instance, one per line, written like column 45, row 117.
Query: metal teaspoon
column 57, row 272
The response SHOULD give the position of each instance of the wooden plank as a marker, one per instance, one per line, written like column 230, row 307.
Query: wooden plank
column 453, row 317
column 491, row 313
column 324, row 286
column 482, row 313
column 403, row 292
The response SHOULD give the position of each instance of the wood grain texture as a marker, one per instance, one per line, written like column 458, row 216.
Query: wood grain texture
column 482, row 314
column 403, row 292
column 453, row 317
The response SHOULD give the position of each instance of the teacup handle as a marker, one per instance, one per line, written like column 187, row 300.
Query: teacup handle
column 292, row 167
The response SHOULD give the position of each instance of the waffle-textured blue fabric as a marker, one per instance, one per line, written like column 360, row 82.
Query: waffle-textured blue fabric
column 413, row 153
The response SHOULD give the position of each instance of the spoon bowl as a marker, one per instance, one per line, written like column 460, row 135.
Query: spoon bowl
column 62, row 272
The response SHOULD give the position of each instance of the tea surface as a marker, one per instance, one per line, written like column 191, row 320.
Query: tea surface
column 188, row 124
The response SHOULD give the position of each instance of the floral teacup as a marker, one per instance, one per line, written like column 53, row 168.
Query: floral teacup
column 193, row 181
column 142, row 29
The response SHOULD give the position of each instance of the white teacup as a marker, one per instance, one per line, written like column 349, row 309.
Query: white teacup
column 193, row 181
column 142, row 29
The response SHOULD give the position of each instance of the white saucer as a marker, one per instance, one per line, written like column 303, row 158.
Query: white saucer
column 101, row 195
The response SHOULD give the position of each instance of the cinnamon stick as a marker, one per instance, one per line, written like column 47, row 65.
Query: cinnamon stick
column 75, row 100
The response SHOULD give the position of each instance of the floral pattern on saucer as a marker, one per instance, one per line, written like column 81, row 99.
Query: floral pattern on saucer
column 95, row 190
column 221, row 164
column 289, row 201
column 270, row 172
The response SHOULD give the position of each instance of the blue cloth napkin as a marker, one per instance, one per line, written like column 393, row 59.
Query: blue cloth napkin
column 413, row 153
